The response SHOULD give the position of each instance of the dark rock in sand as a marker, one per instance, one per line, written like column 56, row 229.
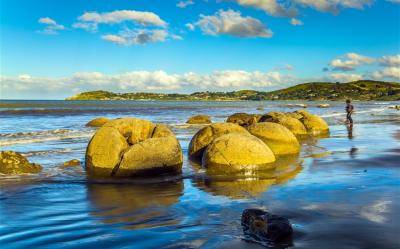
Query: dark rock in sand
column 263, row 226
column 243, row 119
column 71, row 163
column 13, row 163
column 199, row 119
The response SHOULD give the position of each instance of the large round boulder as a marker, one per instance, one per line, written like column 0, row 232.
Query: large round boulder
column 154, row 155
column 13, row 163
column 97, row 122
column 280, row 139
column 199, row 119
column 313, row 123
column 294, row 125
column 207, row 134
column 237, row 152
column 104, row 151
column 243, row 119
column 129, row 146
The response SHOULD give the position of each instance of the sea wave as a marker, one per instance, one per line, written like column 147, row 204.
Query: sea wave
column 47, row 152
column 35, row 133
column 42, row 136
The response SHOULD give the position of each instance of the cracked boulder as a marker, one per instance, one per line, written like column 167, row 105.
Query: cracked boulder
column 206, row 135
column 236, row 151
column 129, row 147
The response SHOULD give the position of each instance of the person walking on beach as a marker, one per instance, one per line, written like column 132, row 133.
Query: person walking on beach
column 349, row 111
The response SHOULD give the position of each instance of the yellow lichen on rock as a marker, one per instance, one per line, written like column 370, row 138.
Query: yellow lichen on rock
column 280, row 139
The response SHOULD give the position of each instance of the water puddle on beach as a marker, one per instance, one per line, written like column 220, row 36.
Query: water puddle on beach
column 340, row 192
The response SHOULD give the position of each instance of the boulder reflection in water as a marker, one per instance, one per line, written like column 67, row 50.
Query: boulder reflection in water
column 135, row 206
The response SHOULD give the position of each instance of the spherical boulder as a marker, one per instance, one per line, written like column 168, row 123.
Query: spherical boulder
column 207, row 134
column 236, row 151
column 128, row 147
column 313, row 123
column 97, row 122
column 13, row 163
column 199, row 119
column 280, row 139
column 162, row 154
column 243, row 119
column 294, row 125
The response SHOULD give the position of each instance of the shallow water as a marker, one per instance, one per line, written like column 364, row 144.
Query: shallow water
column 342, row 192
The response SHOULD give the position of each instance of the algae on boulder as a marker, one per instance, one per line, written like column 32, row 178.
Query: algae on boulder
column 243, row 119
column 237, row 152
column 207, row 134
column 13, row 163
column 199, row 119
column 97, row 122
column 280, row 139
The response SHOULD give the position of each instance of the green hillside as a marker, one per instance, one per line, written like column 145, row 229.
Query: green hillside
column 357, row 90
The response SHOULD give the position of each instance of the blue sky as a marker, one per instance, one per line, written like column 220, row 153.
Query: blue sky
column 53, row 49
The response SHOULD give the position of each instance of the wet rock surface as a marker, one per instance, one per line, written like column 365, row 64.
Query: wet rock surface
column 13, row 163
column 262, row 226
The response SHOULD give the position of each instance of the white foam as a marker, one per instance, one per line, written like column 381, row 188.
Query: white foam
column 50, row 137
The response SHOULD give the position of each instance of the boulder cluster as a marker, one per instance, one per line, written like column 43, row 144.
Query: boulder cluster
column 248, row 141
column 130, row 146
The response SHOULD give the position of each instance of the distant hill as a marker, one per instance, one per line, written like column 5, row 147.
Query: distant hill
column 357, row 90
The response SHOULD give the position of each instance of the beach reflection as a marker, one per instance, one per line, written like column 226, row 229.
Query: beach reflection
column 135, row 206
column 250, row 184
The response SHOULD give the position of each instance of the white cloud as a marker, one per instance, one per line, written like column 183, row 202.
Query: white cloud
column 226, row 80
column 390, row 60
column 139, row 36
column 333, row 6
column 115, row 39
column 344, row 77
column 89, row 26
column 388, row 72
column 190, row 26
column 184, row 4
column 272, row 7
column 296, row 22
column 231, row 22
column 90, row 20
column 350, row 61
column 51, row 26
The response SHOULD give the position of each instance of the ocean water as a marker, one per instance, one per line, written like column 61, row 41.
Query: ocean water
column 341, row 192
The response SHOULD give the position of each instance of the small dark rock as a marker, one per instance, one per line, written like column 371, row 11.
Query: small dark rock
column 263, row 226
column 13, row 163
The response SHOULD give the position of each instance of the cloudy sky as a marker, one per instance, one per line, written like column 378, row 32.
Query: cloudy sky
column 54, row 49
